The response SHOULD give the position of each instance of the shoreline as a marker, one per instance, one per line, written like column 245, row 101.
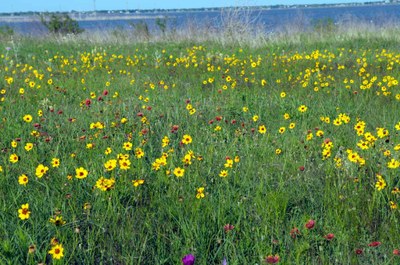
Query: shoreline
column 90, row 16
column 36, row 18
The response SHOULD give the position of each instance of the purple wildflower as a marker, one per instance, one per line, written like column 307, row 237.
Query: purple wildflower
column 188, row 259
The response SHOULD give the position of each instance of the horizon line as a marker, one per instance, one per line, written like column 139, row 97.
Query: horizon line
column 211, row 8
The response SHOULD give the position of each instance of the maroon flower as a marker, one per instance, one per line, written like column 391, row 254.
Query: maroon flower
column 374, row 244
column 301, row 168
column 295, row 232
column 310, row 224
column 329, row 236
column 272, row 259
column 174, row 128
column 359, row 251
column 228, row 227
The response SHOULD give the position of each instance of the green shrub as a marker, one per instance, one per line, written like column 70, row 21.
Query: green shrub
column 162, row 24
column 324, row 25
column 60, row 23
column 6, row 31
column 141, row 29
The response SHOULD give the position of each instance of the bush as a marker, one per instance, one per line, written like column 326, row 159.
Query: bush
column 141, row 30
column 60, row 23
column 325, row 25
column 162, row 24
column 6, row 30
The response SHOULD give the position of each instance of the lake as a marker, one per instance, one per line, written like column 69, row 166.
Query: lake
column 271, row 19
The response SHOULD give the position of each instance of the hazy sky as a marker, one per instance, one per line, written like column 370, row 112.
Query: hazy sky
column 89, row 5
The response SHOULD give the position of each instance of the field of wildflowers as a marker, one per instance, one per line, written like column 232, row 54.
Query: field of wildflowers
column 179, row 153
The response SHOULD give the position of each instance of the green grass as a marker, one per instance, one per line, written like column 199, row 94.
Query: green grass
column 265, row 194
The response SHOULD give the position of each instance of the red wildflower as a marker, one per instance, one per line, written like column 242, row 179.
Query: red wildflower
column 374, row 244
column 329, row 236
column 228, row 227
column 295, row 232
column 310, row 224
column 174, row 128
column 396, row 252
column 359, row 251
column 272, row 259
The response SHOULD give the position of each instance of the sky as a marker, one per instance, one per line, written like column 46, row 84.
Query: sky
column 10, row 6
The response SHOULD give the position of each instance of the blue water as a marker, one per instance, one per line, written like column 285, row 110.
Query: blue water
column 272, row 19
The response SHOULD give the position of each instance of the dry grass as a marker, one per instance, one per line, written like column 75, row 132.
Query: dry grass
column 242, row 26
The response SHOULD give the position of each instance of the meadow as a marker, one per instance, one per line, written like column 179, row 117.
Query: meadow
column 284, row 152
